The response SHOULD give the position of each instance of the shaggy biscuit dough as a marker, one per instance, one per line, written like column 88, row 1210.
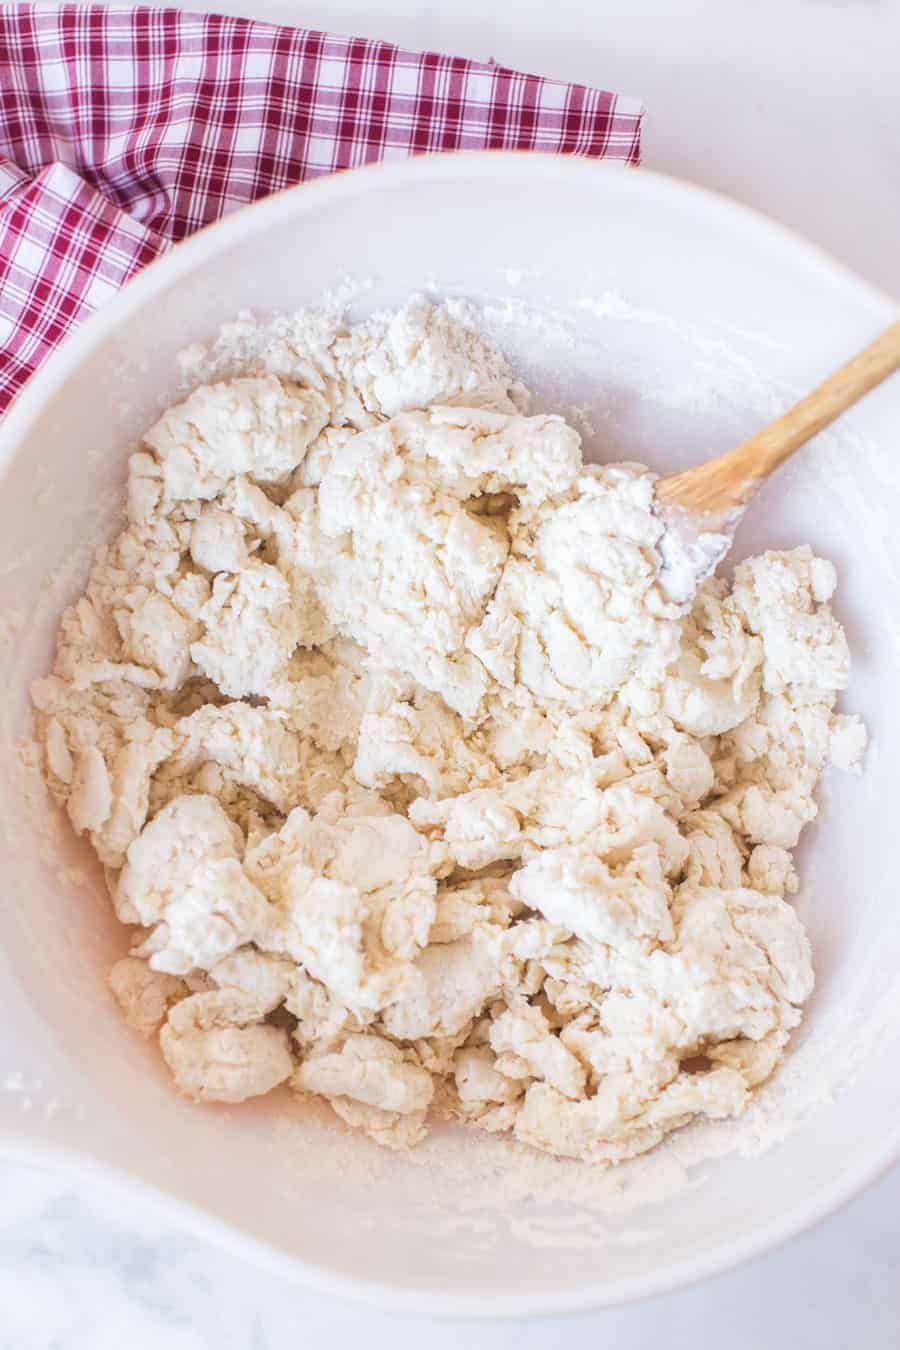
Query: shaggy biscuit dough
column 417, row 790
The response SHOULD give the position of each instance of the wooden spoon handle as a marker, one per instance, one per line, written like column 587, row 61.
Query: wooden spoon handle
column 728, row 481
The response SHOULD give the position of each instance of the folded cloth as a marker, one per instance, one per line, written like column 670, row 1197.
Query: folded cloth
column 122, row 131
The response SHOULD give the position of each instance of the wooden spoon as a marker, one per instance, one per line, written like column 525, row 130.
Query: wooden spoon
column 702, row 506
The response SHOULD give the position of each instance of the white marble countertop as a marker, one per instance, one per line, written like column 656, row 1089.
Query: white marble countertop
column 792, row 106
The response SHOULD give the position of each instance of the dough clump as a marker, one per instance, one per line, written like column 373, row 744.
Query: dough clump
column 415, row 789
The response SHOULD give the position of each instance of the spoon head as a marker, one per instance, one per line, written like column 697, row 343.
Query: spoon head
column 692, row 546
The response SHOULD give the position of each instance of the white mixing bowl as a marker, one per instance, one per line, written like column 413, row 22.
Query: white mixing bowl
column 682, row 322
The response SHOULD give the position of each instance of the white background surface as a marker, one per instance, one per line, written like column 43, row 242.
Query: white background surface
column 794, row 107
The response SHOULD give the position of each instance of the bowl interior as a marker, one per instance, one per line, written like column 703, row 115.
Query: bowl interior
column 666, row 324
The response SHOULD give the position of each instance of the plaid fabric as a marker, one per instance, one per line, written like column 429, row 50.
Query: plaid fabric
column 123, row 131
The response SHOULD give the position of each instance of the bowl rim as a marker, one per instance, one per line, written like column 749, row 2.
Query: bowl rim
column 430, row 1301
column 253, row 219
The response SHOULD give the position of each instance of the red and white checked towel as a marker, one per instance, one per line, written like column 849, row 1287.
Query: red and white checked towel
column 122, row 131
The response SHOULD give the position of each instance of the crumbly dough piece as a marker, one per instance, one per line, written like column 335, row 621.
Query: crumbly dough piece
column 183, row 879
column 352, row 896
column 259, row 425
column 219, row 1049
column 416, row 790
column 372, row 1084
column 411, row 567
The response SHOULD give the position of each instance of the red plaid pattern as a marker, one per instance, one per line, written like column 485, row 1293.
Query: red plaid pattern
column 123, row 131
